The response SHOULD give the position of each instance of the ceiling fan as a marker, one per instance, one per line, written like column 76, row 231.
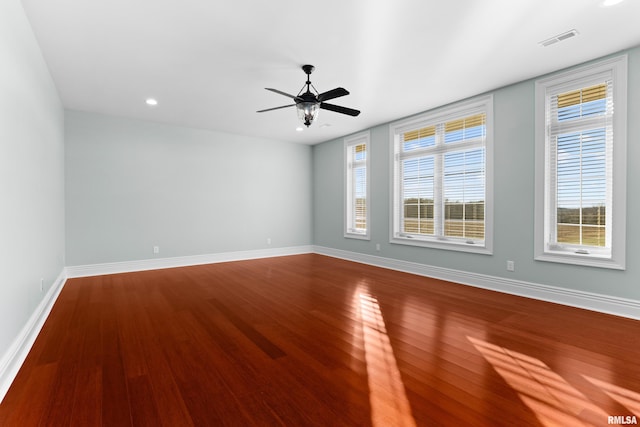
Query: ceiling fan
column 309, row 104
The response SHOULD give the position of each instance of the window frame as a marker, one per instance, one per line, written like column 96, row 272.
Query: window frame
column 349, row 208
column 459, row 110
column 545, row 249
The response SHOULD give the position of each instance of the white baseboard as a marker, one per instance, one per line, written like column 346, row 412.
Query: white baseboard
column 184, row 261
column 14, row 357
column 570, row 297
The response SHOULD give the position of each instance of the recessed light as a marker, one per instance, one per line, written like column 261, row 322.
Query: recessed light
column 607, row 3
column 299, row 129
column 152, row 102
column 325, row 125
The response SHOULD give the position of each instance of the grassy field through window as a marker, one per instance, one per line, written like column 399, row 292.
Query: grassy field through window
column 452, row 228
column 589, row 235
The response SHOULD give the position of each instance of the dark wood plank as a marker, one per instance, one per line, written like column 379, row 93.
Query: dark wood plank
column 316, row 341
column 258, row 339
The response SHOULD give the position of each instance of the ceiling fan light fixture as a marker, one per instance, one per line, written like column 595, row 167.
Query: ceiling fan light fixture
column 308, row 112
column 308, row 104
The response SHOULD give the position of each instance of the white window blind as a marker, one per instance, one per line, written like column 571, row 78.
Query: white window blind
column 440, row 178
column 357, row 186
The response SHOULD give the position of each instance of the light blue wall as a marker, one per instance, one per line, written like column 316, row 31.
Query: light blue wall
column 513, row 205
column 132, row 185
column 31, row 175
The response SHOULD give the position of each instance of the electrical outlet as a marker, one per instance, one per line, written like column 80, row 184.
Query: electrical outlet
column 268, row 240
column 41, row 284
column 377, row 246
column 156, row 249
column 511, row 266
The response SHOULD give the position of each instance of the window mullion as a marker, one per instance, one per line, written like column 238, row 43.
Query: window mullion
column 581, row 193
column 438, row 190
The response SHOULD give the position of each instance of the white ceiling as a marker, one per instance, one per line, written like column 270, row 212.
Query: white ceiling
column 208, row 61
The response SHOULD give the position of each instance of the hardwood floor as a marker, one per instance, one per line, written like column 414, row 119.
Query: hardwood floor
column 309, row 340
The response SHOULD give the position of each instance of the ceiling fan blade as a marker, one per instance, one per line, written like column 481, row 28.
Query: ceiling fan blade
column 280, row 92
column 339, row 109
column 333, row 93
column 275, row 108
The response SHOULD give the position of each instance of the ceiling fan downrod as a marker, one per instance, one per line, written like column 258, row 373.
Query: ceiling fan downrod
column 308, row 69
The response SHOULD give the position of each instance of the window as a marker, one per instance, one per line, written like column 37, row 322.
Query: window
column 581, row 165
column 442, row 178
column 357, row 186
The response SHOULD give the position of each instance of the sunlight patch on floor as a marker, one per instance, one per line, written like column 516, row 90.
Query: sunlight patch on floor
column 552, row 399
column 627, row 398
column 387, row 395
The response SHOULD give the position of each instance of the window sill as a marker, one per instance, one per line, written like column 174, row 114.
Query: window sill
column 445, row 245
column 358, row 236
column 586, row 260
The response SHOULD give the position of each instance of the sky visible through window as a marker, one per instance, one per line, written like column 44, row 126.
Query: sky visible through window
column 581, row 187
column 582, row 153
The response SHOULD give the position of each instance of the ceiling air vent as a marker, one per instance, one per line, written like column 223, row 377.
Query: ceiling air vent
column 559, row 38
